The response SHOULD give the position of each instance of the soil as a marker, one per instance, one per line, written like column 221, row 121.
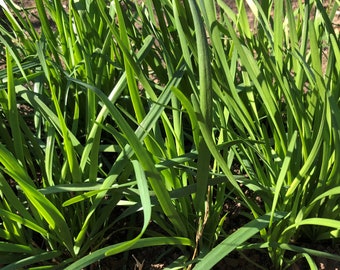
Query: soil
column 151, row 258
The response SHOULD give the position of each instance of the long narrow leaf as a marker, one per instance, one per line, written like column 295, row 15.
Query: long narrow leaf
column 233, row 241
column 141, row 243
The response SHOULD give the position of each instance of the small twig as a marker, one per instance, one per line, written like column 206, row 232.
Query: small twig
column 201, row 227
column 138, row 265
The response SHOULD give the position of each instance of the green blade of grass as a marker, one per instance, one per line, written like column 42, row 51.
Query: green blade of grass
column 278, row 33
column 25, row 222
column 283, row 174
column 146, row 205
column 41, row 104
column 127, row 54
column 43, row 206
column 38, row 258
column 13, row 116
column 309, row 162
column 312, row 252
column 47, row 30
column 15, row 248
column 68, row 146
column 190, row 110
column 82, row 197
column 183, row 32
column 141, row 243
column 205, row 100
column 325, row 222
column 234, row 240
column 13, row 198
column 218, row 157
column 80, row 187
column 136, row 146
column 113, row 96
column 130, row 78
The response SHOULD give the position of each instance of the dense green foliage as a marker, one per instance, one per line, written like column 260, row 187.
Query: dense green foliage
column 121, row 124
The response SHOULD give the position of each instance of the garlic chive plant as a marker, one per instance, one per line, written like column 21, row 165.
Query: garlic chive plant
column 130, row 124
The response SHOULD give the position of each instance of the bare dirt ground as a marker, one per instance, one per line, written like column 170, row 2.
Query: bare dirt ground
column 149, row 258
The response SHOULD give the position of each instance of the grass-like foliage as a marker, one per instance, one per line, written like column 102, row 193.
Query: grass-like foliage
column 122, row 123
